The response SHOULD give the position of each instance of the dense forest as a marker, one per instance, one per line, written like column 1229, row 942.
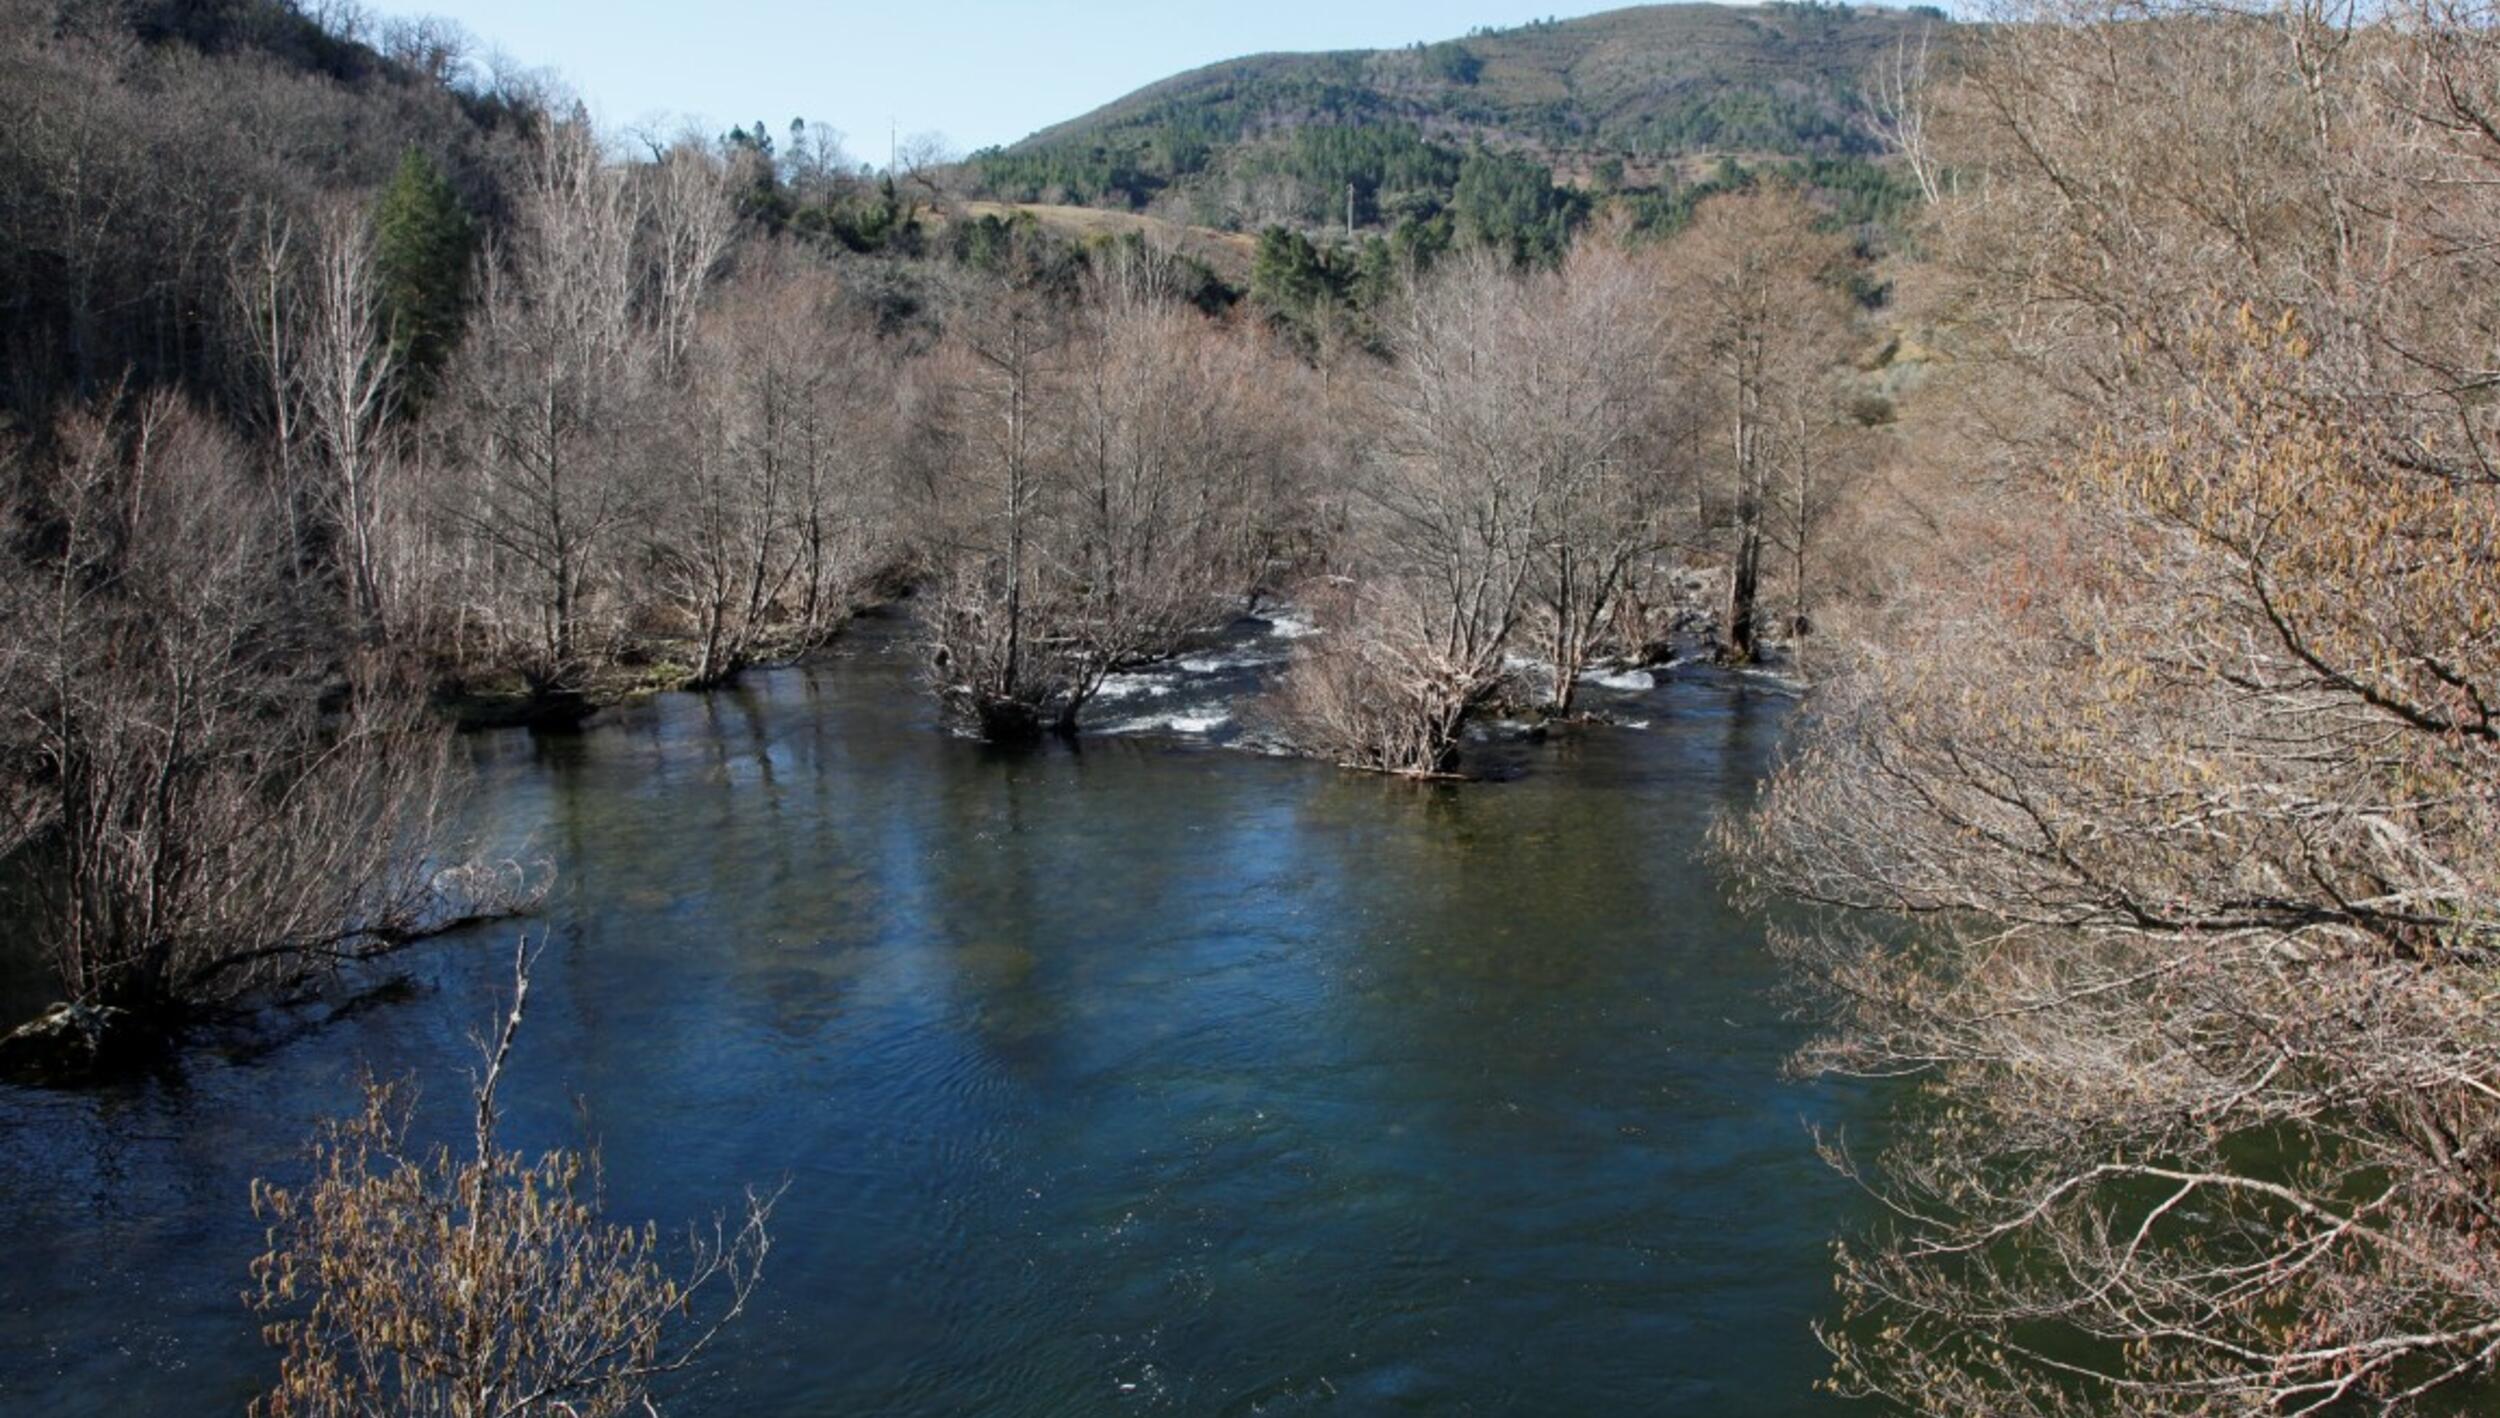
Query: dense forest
column 2092, row 406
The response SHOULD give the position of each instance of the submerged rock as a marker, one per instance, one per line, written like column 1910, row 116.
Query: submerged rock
column 555, row 710
column 1630, row 681
column 66, row 1041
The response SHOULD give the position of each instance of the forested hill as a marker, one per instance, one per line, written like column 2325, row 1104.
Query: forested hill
column 1631, row 99
column 145, row 144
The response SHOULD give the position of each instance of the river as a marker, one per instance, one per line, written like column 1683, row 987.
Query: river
column 1152, row 1074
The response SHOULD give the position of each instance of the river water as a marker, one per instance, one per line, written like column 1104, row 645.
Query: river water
column 1154, row 1075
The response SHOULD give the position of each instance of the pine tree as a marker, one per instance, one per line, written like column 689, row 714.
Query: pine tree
column 425, row 243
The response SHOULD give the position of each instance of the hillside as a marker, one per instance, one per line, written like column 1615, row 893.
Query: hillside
column 1635, row 99
column 145, row 146
column 1227, row 255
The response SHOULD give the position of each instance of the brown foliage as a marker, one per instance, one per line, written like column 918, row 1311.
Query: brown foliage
column 2175, row 812
column 485, row 1285
column 1762, row 328
column 1380, row 689
column 1525, row 455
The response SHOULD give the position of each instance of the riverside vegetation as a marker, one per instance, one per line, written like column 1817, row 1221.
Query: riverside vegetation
column 2091, row 403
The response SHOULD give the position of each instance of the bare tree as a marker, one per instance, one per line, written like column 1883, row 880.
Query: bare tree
column 86, row 187
column 433, row 46
column 548, row 412
column 350, row 388
column 2176, row 806
column 264, row 281
column 2205, row 833
column 328, row 385
column 845, row 440
column 691, row 215
column 345, row 19
column 1097, row 496
column 1822, row 455
column 1754, row 284
column 1448, row 519
column 1899, row 111
column 993, row 661
column 1600, row 421
column 815, row 164
column 920, row 162
column 1519, row 478
column 1162, row 447
column 209, row 828
column 768, row 528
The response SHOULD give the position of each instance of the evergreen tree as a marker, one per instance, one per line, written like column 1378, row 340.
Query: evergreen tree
column 1512, row 205
column 424, row 243
column 1290, row 275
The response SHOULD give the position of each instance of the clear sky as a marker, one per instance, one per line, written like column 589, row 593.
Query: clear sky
column 978, row 71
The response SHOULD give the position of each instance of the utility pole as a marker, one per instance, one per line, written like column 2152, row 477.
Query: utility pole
column 1349, row 211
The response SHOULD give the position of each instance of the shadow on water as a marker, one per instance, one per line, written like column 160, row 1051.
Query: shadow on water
column 1135, row 1075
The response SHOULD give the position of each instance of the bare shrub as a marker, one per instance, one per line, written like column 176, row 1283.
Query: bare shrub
column 479, row 1285
column 1381, row 690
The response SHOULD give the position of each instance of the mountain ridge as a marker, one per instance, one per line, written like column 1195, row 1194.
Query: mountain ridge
column 1638, row 97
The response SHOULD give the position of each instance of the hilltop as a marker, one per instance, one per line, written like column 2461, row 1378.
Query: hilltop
column 1640, row 99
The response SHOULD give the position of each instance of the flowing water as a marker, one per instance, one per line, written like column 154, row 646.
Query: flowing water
column 1149, row 1075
